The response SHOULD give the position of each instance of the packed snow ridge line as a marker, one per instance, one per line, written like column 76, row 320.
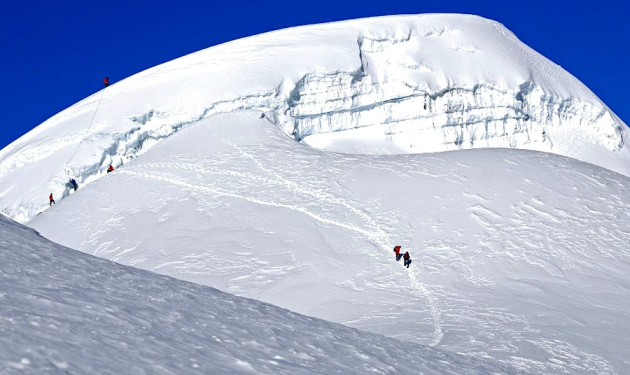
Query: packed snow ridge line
column 390, row 85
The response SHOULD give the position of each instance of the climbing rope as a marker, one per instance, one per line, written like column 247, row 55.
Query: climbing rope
column 85, row 135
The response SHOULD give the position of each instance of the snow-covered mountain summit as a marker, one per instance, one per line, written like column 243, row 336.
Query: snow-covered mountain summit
column 518, row 256
column 400, row 84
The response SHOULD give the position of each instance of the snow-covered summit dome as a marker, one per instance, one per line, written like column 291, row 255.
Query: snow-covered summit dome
column 388, row 85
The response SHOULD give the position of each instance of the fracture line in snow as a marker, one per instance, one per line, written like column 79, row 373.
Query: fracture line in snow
column 100, row 99
column 213, row 170
column 250, row 199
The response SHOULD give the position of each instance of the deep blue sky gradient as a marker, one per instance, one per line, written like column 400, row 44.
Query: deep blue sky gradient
column 55, row 53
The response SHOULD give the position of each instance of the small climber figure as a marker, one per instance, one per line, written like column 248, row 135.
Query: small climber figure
column 75, row 186
column 106, row 81
column 397, row 251
column 407, row 259
column 110, row 169
column 51, row 200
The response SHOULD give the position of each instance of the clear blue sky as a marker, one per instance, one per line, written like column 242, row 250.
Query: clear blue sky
column 55, row 53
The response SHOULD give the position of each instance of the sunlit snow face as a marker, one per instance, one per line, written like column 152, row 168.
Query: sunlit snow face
column 501, row 240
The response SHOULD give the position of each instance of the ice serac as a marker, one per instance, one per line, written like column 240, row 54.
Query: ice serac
column 398, row 84
column 431, row 91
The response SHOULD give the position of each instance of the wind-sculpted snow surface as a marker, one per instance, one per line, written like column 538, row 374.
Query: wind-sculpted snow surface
column 518, row 256
column 65, row 312
column 400, row 84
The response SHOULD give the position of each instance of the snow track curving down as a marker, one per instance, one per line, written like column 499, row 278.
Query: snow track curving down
column 507, row 264
column 374, row 233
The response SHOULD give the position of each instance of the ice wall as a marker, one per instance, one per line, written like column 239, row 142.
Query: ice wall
column 455, row 118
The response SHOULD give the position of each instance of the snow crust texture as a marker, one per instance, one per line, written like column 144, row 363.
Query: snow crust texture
column 391, row 85
column 64, row 312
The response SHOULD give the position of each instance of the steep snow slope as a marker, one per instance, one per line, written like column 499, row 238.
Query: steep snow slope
column 62, row 311
column 400, row 84
column 517, row 256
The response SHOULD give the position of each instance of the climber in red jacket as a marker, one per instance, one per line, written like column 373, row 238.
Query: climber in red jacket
column 397, row 251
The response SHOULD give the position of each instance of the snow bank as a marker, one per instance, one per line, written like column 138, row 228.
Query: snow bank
column 399, row 84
